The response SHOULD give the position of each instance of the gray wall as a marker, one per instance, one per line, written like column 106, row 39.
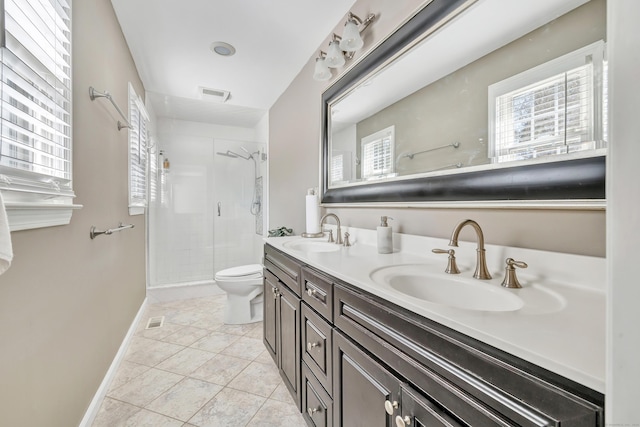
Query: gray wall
column 67, row 301
column 294, row 166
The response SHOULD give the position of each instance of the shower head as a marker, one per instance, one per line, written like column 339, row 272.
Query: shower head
column 229, row 153
column 235, row 155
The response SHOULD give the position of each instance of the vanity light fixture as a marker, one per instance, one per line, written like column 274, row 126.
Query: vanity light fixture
column 322, row 73
column 335, row 55
column 342, row 48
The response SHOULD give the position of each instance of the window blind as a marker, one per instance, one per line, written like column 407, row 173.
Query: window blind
column 36, row 91
column 138, row 141
column 377, row 153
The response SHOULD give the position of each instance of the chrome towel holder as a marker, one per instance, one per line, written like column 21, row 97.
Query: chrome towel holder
column 93, row 233
column 93, row 94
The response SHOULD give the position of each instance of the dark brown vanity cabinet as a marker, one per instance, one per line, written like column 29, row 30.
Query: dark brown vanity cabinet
column 453, row 379
column 282, row 317
column 353, row 359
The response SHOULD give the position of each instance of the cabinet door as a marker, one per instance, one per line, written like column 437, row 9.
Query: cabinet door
column 270, row 302
column 418, row 411
column 289, row 341
column 362, row 388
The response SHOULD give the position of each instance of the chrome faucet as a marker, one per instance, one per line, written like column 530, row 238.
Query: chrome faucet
column 481, row 272
column 338, row 231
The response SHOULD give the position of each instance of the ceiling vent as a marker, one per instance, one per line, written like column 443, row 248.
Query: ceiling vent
column 215, row 95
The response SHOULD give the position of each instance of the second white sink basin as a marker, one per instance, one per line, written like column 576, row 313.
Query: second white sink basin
column 311, row 245
column 422, row 282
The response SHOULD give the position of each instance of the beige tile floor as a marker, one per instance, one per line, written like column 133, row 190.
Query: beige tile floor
column 197, row 371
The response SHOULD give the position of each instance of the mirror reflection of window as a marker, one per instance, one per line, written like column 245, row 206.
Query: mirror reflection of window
column 378, row 153
column 552, row 109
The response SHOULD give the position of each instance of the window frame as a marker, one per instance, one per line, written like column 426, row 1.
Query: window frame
column 35, row 200
column 545, row 71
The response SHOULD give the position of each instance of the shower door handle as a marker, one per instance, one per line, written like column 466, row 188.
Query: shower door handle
column 219, row 206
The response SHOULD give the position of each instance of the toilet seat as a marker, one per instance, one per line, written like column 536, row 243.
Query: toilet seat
column 240, row 273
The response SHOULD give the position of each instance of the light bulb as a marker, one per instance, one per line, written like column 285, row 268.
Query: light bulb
column 335, row 57
column 322, row 72
column 351, row 40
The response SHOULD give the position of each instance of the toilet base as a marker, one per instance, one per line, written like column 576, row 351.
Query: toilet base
column 241, row 310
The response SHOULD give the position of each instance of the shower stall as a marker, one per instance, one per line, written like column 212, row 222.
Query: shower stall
column 206, row 208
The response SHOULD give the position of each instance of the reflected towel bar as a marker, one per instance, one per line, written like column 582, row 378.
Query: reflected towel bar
column 454, row 145
column 93, row 232
column 457, row 165
column 93, row 94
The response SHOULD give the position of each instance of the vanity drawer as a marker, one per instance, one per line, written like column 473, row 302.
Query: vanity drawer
column 317, row 405
column 287, row 269
column 317, row 292
column 316, row 346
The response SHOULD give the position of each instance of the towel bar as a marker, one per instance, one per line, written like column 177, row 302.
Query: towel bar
column 93, row 94
column 93, row 233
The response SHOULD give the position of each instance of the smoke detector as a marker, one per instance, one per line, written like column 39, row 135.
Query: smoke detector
column 215, row 95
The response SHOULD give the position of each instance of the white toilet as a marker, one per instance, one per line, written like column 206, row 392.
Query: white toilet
column 243, row 285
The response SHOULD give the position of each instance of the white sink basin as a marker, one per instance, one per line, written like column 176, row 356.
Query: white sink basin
column 424, row 282
column 313, row 245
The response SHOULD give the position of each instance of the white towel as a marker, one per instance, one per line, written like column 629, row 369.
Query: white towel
column 6, row 250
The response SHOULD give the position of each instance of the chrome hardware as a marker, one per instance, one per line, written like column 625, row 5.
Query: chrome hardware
column 93, row 94
column 311, row 411
column 390, row 407
column 402, row 422
column 338, row 231
column 510, row 278
column 346, row 239
column 312, row 345
column 452, row 267
column 331, row 239
column 311, row 292
column 481, row 272
column 275, row 293
column 93, row 232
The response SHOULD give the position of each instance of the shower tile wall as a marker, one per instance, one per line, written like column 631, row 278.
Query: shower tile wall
column 188, row 242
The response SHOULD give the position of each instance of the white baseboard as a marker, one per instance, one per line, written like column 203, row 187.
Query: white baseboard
column 94, row 407
column 182, row 291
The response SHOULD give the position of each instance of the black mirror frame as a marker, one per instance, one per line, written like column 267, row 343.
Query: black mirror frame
column 570, row 180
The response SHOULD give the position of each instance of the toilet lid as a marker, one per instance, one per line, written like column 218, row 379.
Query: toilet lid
column 242, row 271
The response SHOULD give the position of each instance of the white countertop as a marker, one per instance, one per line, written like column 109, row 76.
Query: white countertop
column 568, row 339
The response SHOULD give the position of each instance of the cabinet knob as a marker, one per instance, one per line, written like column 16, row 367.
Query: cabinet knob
column 390, row 407
column 311, row 292
column 311, row 411
column 403, row 422
column 311, row 345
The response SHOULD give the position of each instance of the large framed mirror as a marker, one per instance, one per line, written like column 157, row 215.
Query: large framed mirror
column 493, row 102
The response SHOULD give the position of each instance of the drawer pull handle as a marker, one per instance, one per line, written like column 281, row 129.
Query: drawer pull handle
column 311, row 411
column 311, row 292
column 311, row 345
column 403, row 422
column 390, row 407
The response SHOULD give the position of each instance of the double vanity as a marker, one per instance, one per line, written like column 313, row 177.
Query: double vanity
column 368, row 339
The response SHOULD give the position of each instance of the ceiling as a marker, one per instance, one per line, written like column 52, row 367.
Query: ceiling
column 170, row 43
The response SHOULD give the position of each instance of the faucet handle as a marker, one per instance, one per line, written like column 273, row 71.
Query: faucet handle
column 330, row 239
column 346, row 239
column 510, row 278
column 452, row 267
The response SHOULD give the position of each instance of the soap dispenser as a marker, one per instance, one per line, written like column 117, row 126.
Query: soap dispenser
column 385, row 236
